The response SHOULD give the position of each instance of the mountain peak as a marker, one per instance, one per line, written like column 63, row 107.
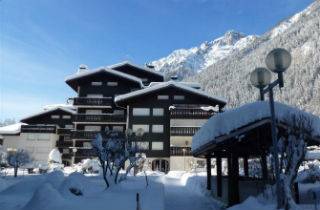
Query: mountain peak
column 231, row 37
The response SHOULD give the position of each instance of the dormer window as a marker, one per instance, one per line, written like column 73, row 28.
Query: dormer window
column 96, row 83
column 112, row 84
column 178, row 97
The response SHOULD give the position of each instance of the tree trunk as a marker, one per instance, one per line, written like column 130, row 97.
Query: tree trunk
column 15, row 171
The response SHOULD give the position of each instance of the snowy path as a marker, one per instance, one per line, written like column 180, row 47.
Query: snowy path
column 179, row 197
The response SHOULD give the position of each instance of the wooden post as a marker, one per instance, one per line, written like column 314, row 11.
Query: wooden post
column 138, row 207
column 264, row 166
column 233, row 176
column 208, row 158
column 296, row 192
column 246, row 166
column 219, row 176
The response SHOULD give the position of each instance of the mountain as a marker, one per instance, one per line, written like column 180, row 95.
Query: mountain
column 188, row 62
column 229, row 76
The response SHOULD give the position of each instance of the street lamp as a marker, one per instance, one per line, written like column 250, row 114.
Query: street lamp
column 278, row 60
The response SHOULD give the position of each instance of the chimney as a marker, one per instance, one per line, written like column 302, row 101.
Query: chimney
column 174, row 77
column 150, row 66
column 82, row 68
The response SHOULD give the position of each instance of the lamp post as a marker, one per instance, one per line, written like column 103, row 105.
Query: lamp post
column 278, row 60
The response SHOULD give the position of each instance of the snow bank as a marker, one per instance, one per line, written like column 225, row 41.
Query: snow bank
column 252, row 204
column 195, row 182
column 224, row 123
column 45, row 197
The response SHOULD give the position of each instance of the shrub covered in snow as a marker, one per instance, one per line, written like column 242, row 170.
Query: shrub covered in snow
column 18, row 158
column 309, row 172
column 54, row 156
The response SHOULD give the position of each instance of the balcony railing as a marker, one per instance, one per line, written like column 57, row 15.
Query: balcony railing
column 63, row 131
column 183, row 131
column 190, row 114
column 86, row 152
column 85, row 101
column 180, row 151
column 84, row 134
column 99, row 118
column 38, row 129
column 64, row 144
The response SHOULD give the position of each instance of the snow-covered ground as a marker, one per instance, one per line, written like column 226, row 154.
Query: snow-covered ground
column 174, row 191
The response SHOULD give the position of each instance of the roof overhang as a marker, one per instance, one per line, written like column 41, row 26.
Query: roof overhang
column 73, row 80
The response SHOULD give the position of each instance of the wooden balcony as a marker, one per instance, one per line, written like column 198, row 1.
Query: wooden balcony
column 190, row 114
column 64, row 144
column 84, row 134
column 183, row 131
column 85, row 152
column 63, row 131
column 38, row 129
column 180, row 151
column 99, row 118
column 85, row 101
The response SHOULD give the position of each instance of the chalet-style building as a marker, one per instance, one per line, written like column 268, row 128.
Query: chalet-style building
column 38, row 133
column 126, row 96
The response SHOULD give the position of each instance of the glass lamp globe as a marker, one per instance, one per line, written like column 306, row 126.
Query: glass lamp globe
column 260, row 77
column 278, row 60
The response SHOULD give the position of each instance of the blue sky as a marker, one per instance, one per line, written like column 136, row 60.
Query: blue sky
column 41, row 42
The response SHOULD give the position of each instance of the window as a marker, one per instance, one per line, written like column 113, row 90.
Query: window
column 118, row 112
column 163, row 97
column 96, row 83
column 87, row 145
column 157, row 111
column 117, row 128
column 55, row 116
column 31, row 136
column 93, row 111
column 92, row 128
column 94, row 95
column 44, row 137
column 141, row 145
column 65, row 151
column 157, row 145
column 157, row 128
column 144, row 127
column 68, row 126
column 141, row 112
column 178, row 97
column 112, row 83
column 66, row 116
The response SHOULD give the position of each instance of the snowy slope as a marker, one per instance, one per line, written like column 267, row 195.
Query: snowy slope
column 187, row 62
column 229, row 75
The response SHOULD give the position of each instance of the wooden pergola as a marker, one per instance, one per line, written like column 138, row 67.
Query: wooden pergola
column 252, row 140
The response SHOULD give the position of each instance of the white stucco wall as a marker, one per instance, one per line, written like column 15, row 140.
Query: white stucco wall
column 38, row 146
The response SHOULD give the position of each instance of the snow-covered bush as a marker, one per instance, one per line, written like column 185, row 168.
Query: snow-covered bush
column 18, row 158
column 3, row 156
column 309, row 172
column 113, row 151
column 54, row 156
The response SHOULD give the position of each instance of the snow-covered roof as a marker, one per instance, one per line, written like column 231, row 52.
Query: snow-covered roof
column 165, row 85
column 11, row 129
column 103, row 69
column 228, row 121
column 136, row 66
column 48, row 111
column 190, row 84
column 54, row 106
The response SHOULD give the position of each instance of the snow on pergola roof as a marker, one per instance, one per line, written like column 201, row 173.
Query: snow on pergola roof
column 165, row 85
column 48, row 111
column 136, row 66
column 226, row 122
column 103, row 69
column 11, row 129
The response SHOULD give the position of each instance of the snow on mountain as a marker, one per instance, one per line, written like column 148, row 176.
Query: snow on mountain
column 187, row 62
column 223, row 66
